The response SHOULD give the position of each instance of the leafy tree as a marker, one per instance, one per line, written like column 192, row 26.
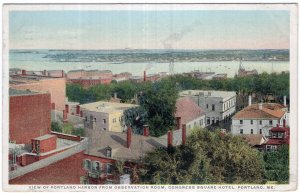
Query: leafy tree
column 208, row 157
column 277, row 164
column 55, row 126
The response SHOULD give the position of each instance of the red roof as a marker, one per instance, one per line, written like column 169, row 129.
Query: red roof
column 187, row 109
column 268, row 111
column 275, row 141
column 280, row 129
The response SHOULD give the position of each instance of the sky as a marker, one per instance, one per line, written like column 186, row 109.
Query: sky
column 178, row 29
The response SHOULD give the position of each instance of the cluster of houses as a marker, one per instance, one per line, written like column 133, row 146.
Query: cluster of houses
column 37, row 155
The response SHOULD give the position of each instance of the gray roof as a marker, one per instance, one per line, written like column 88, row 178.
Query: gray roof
column 100, row 140
column 209, row 93
column 14, row 92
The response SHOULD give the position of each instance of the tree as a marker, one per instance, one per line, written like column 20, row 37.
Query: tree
column 207, row 157
column 55, row 126
column 277, row 164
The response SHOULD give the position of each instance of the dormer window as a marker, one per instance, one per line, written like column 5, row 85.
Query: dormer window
column 108, row 151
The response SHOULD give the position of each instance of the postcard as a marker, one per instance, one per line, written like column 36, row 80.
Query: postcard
column 150, row 97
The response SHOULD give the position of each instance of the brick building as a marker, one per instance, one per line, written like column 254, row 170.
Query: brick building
column 29, row 115
column 56, row 86
column 90, row 81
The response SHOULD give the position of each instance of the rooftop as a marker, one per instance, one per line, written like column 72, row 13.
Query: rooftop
column 100, row 140
column 23, row 79
column 187, row 109
column 107, row 107
column 254, row 139
column 43, row 137
column 268, row 111
column 14, row 92
column 209, row 93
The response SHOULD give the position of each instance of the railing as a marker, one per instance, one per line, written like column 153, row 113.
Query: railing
column 82, row 145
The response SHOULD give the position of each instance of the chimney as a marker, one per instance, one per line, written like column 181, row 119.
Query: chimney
column 284, row 122
column 284, row 101
column 77, row 109
column 53, row 106
column 145, row 76
column 170, row 138
column 81, row 114
column 23, row 72
column 260, row 106
column 178, row 122
column 44, row 72
column 129, row 134
column 183, row 134
column 65, row 116
column 67, row 108
column 62, row 74
column 146, row 131
column 115, row 95
column 249, row 100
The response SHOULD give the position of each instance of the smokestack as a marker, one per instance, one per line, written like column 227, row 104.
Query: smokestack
column 170, row 138
column 115, row 95
column 284, row 122
column 23, row 72
column 62, row 74
column 146, row 131
column 178, row 122
column 77, row 109
column 129, row 134
column 53, row 106
column 67, row 108
column 183, row 134
column 65, row 116
column 260, row 106
column 145, row 76
column 284, row 101
column 250, row 100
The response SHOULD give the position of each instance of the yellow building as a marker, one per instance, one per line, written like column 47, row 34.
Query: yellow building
column 105, row 116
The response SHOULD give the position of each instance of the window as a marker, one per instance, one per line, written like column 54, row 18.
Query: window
column 251, row 121
column 194, row 124
column 96, row 166
column 108, row 152
column 224, row 107
column 213, row 107
column 104, row 129
column 270, row 122
column 213, row 120
column 85, row 118
column 104, row 121
column 189, row 126
column 126, row 170
column 207, row 106
column 260, row 131
column 208, row 120
column 241, row 122
column 251, row 131
column 241, row 131
column 84, row 180
column 87, row 164
column 108, row 169
column 95, row 119
column 201, row 122
column 260, row 122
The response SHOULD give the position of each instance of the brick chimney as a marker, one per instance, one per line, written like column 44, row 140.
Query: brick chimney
column 183, row 134
column 145, row 76
column 23, row 72
column 170, row 139
column 62, row 74
column 146, row 131
column 178, row 122
column 65, row 116
column 67, row 108
column 53, row 106
column 77, row 109
column 129, row 135
column 284, row 122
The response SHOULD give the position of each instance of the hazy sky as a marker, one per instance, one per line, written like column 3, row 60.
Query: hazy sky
column 197, row 29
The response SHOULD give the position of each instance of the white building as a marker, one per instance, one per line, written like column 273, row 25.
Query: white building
column 217, row 105
column 105, row 116
column 259, row 118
